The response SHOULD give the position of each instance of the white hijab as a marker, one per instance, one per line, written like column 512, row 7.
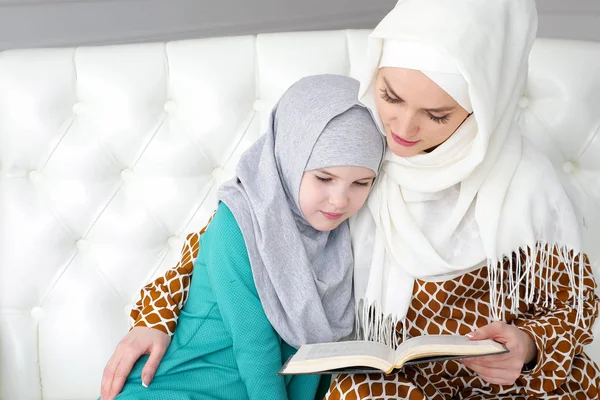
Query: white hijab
column 482, row 196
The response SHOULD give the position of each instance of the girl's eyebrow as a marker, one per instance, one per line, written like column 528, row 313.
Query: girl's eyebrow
column 327, row 173
column 322, row 171
column 367, row 178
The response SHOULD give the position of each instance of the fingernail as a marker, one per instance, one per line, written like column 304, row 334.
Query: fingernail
column 144, row 384
column 470, row 335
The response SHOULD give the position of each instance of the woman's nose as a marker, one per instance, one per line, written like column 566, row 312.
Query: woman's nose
column 405, row 125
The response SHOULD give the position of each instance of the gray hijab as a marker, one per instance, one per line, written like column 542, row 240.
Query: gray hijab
column 303, row 276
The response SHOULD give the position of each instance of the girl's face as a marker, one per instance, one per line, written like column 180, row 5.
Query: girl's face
column 329, row 196
column 417, row 114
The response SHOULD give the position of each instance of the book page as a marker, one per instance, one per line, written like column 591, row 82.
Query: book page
column 447, row 341
column 344, row 349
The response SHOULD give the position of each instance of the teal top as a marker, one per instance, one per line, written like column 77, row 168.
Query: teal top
column 224, row 346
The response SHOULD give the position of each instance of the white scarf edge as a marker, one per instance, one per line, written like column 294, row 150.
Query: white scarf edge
column 373, row 324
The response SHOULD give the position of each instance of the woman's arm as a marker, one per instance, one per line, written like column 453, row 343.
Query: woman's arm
column 543, row 341
column 161, row 300
column 558, row 336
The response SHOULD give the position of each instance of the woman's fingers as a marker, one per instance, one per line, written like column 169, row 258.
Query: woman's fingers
column 156, row 355
column 137, row 342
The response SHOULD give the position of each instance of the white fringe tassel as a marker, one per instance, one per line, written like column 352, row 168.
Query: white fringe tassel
column 504, row 290
column 372, row 326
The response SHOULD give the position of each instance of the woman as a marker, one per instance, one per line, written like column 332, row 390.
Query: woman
column 293, row 192
column 468, row 230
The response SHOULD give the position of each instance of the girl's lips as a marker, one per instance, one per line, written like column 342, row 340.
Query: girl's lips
column 403, row 142
column 331, row 216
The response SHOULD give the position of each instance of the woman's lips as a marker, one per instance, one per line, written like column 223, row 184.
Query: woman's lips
column 331, row 216
column 403, row 142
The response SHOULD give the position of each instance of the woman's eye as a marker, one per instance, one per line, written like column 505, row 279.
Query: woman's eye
column 439, row 120
column 385, row 96
column 320, row 178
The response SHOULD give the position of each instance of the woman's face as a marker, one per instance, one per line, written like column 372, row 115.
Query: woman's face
column 417, row 114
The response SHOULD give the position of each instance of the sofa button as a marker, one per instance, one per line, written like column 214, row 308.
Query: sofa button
column 170, row 106
column 82, row 244
column 126, row 174
column 173, row 242
column 35, row 176
column 523, row 102
column 217, row 174
column 568, row 167
column 78, row 108
column 37, row 313
column 258, row 105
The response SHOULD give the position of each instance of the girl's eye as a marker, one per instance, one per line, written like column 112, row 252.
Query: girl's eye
column 439, row 120
column 385, row 96
column 320, row 178
column 363, row 183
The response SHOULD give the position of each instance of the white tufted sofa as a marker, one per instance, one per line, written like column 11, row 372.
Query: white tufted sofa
column 110, row 155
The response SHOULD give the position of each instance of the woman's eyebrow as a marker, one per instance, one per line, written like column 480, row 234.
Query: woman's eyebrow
column 440, row 109
column 389, row 87
column 433, row 110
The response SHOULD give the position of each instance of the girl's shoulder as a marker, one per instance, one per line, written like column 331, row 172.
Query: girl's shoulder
column 223, row 233
column 223, row 223
column 224, row 250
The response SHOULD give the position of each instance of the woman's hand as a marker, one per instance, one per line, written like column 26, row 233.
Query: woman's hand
column 502, row 369
column 139, row 341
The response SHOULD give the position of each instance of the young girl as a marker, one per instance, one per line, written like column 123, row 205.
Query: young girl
column 275, row 266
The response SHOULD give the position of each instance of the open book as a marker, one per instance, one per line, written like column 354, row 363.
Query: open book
column 363, row 356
